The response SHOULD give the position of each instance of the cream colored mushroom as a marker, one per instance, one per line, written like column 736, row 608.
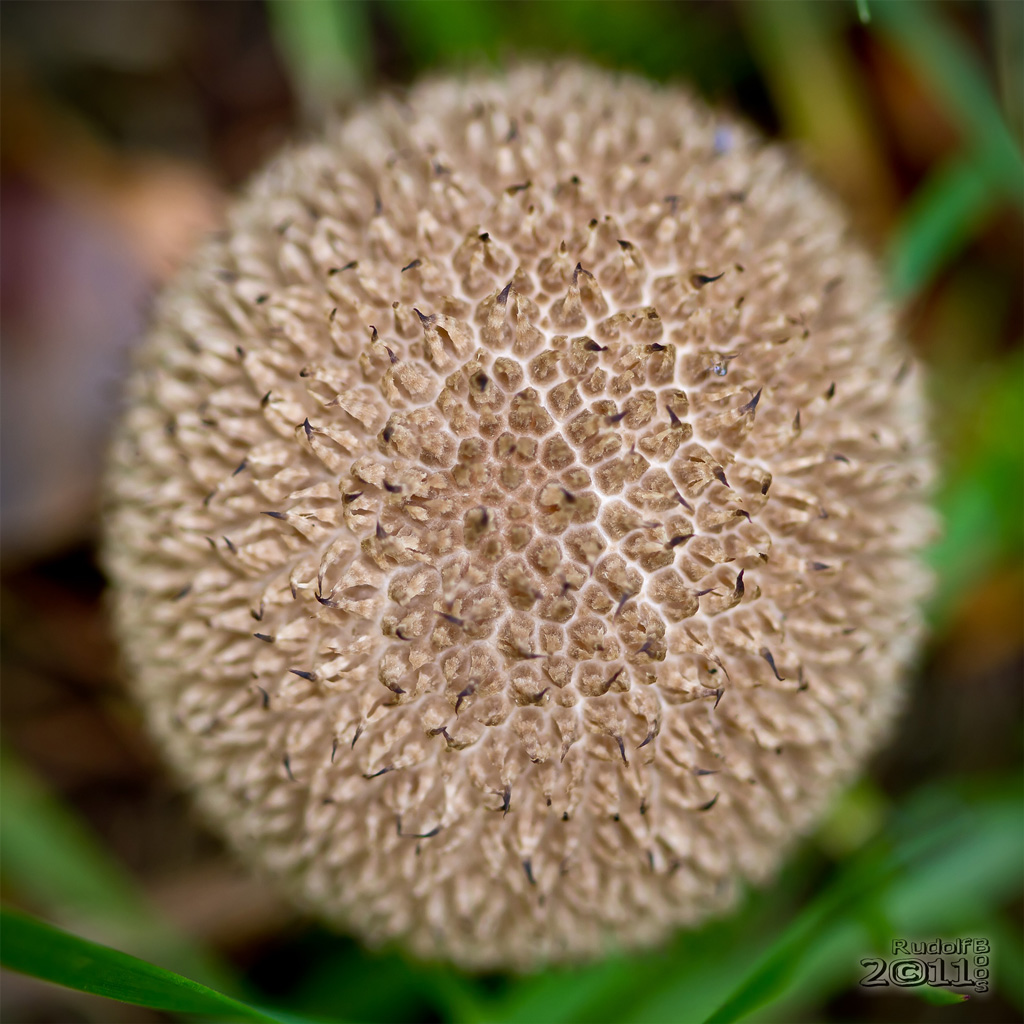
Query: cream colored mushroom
column 513, row 525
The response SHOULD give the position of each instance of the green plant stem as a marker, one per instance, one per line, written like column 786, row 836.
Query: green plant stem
column 30, row 946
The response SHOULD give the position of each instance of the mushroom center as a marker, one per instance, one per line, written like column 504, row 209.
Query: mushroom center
column 535, row 528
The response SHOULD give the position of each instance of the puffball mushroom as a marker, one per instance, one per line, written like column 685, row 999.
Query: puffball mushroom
column 513, row 525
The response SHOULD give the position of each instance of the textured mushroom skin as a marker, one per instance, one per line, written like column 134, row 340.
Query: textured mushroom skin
column 513, row 526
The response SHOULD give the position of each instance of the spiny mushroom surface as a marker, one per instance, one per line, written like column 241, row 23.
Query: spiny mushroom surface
column 513, row 524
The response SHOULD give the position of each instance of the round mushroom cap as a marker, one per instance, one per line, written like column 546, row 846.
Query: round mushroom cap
column 514, row 524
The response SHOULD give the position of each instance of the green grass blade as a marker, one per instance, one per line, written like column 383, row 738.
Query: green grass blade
column 940, row 218
column 939, row 996
column 957, row 78
column 567, row 995
column 49, row 857
column 453, row 30
column 981, row 501
column 936, row 848
column 1008, row 37
column 956, row 889
column 1009, row 961
column 32, row 947
column 326, row 46
column 52, row 861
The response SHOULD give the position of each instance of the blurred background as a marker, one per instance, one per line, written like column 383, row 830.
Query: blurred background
column 124, row 127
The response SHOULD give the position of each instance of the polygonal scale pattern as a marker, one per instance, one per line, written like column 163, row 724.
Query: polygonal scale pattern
column 513, row 522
